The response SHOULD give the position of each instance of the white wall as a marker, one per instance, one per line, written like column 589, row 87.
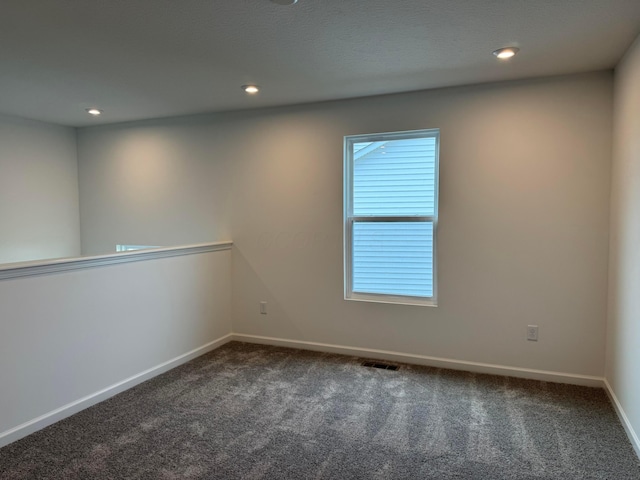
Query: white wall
column 157, row 185
column 69, row 335
column 623, row 332
column 38, row 191
column 523, row 238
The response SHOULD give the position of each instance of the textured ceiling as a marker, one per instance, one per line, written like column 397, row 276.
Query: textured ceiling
column 140, row 59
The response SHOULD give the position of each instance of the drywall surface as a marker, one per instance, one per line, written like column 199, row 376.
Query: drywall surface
column 158, row 186
column 38, row 191
column 623, row 328
column 68, row 335
column 522, row 238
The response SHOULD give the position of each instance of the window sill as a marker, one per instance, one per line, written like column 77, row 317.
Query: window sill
column 390, row 299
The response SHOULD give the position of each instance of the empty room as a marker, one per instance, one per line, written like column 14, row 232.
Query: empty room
column 319, row 239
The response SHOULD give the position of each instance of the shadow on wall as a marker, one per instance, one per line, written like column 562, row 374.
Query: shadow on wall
column 276, row 267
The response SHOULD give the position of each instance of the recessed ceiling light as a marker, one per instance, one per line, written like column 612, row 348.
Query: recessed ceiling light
column 251, row 89
column 94, row 111
column 285, row 2
column 506, row 53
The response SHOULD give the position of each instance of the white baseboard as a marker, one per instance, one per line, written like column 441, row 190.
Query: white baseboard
column 547, row 376
column 65, row 411
column 633, row 437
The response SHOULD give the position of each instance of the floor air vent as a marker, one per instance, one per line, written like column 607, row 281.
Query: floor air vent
column 383, row 366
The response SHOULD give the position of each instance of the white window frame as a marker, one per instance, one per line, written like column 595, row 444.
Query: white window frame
column 350, row 219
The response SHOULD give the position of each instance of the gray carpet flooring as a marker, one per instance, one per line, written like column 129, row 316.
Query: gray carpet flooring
column 257, row 412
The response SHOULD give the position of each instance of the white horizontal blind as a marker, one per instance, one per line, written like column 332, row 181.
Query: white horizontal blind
column 390, row 214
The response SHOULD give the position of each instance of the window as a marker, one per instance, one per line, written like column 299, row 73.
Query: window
column 131, row 248
column 391, row 216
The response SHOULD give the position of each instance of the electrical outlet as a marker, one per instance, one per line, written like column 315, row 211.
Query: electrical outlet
column 532, row 333
column 263, row 308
